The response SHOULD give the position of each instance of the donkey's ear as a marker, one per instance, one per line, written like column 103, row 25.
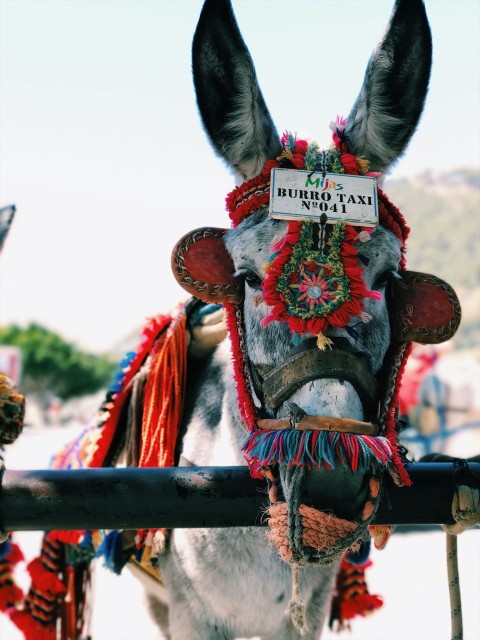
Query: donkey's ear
column 229, row 99
column 390, row 103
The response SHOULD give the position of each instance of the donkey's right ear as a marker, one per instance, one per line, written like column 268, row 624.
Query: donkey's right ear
column 229, row 99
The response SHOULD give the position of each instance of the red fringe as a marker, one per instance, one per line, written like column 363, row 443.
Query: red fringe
column 164, row 397
column 244, row 395
column 361, row 604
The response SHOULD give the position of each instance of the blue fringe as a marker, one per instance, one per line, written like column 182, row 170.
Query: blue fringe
column 112, row 550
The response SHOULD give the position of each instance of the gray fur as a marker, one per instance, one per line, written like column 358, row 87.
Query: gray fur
column 230, row 583
column 230, row 102
column 390, row 103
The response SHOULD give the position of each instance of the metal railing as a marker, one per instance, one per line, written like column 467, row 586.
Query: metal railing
column 196, row 497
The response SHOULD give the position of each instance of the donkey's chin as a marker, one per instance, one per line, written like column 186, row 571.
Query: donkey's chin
column 327, row 505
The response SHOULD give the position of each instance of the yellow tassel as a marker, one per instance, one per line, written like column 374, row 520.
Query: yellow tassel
column 363, row 165
column 323, row 342
column 286, row 153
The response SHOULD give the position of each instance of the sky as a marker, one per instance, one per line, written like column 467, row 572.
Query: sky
column 103, row 153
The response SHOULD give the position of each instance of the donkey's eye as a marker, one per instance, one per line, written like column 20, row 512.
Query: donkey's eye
column 250, row 277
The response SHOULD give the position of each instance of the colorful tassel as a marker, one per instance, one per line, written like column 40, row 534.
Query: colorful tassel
column 38, row 618
column 351, row 596
column 311, row 449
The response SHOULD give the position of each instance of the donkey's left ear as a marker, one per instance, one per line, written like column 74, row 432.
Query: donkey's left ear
column 231, row 105
column 390, row 103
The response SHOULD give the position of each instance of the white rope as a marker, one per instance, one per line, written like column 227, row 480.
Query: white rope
column 466, row 513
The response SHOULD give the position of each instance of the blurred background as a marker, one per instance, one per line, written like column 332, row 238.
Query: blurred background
column 103, row 154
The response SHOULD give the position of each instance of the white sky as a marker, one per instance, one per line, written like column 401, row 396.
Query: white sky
column 103, row 153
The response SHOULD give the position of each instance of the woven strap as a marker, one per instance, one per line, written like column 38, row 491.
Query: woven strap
column 313, row 364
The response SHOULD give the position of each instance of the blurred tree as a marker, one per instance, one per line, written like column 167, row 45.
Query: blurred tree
column 53, row 366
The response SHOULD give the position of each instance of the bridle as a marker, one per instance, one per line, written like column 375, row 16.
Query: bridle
column 306, row 363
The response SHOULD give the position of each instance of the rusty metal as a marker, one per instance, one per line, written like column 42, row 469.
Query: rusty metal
column 191, row 497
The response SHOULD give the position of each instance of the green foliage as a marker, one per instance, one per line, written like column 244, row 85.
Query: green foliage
column 52, row 365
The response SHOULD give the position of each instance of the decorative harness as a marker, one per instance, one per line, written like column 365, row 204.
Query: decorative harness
column 312, row 288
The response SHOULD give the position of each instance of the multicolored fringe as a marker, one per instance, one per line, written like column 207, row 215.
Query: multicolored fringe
column 91, row 448
column 164, row 396
column 351, row 597
column 315, row 449
column 10, row 594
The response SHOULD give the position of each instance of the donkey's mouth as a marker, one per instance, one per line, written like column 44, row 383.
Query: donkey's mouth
column 316, row 515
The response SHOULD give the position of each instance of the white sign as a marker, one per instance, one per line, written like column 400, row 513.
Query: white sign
column 306, row 195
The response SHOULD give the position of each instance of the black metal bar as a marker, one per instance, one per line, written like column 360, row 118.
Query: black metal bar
column 190, row 497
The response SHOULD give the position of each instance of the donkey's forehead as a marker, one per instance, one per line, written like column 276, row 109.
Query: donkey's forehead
column 252, row 239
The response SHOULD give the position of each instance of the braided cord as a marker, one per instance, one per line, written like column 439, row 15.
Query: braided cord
column 454, row 588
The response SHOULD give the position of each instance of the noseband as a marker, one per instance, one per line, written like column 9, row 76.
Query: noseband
column 306, row 363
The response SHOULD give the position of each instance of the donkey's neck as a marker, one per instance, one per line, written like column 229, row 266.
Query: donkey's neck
column 213, row 430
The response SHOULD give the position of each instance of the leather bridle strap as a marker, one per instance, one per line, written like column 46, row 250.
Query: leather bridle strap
column 282, row 381
column 321, row 423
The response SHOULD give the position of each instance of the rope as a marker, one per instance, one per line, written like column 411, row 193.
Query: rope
column 454, row 588
column 466, row 513
column 296, row 607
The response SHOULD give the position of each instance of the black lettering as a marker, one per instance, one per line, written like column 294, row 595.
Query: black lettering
column 281, row 193
column 326, row 196
column 313, row 195
column 351, row 200
column 306, row 205
column 361, row 199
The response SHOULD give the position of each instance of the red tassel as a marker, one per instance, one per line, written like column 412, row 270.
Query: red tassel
column 351, row 596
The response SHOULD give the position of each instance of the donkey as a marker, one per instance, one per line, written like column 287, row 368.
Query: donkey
column 230, row 583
